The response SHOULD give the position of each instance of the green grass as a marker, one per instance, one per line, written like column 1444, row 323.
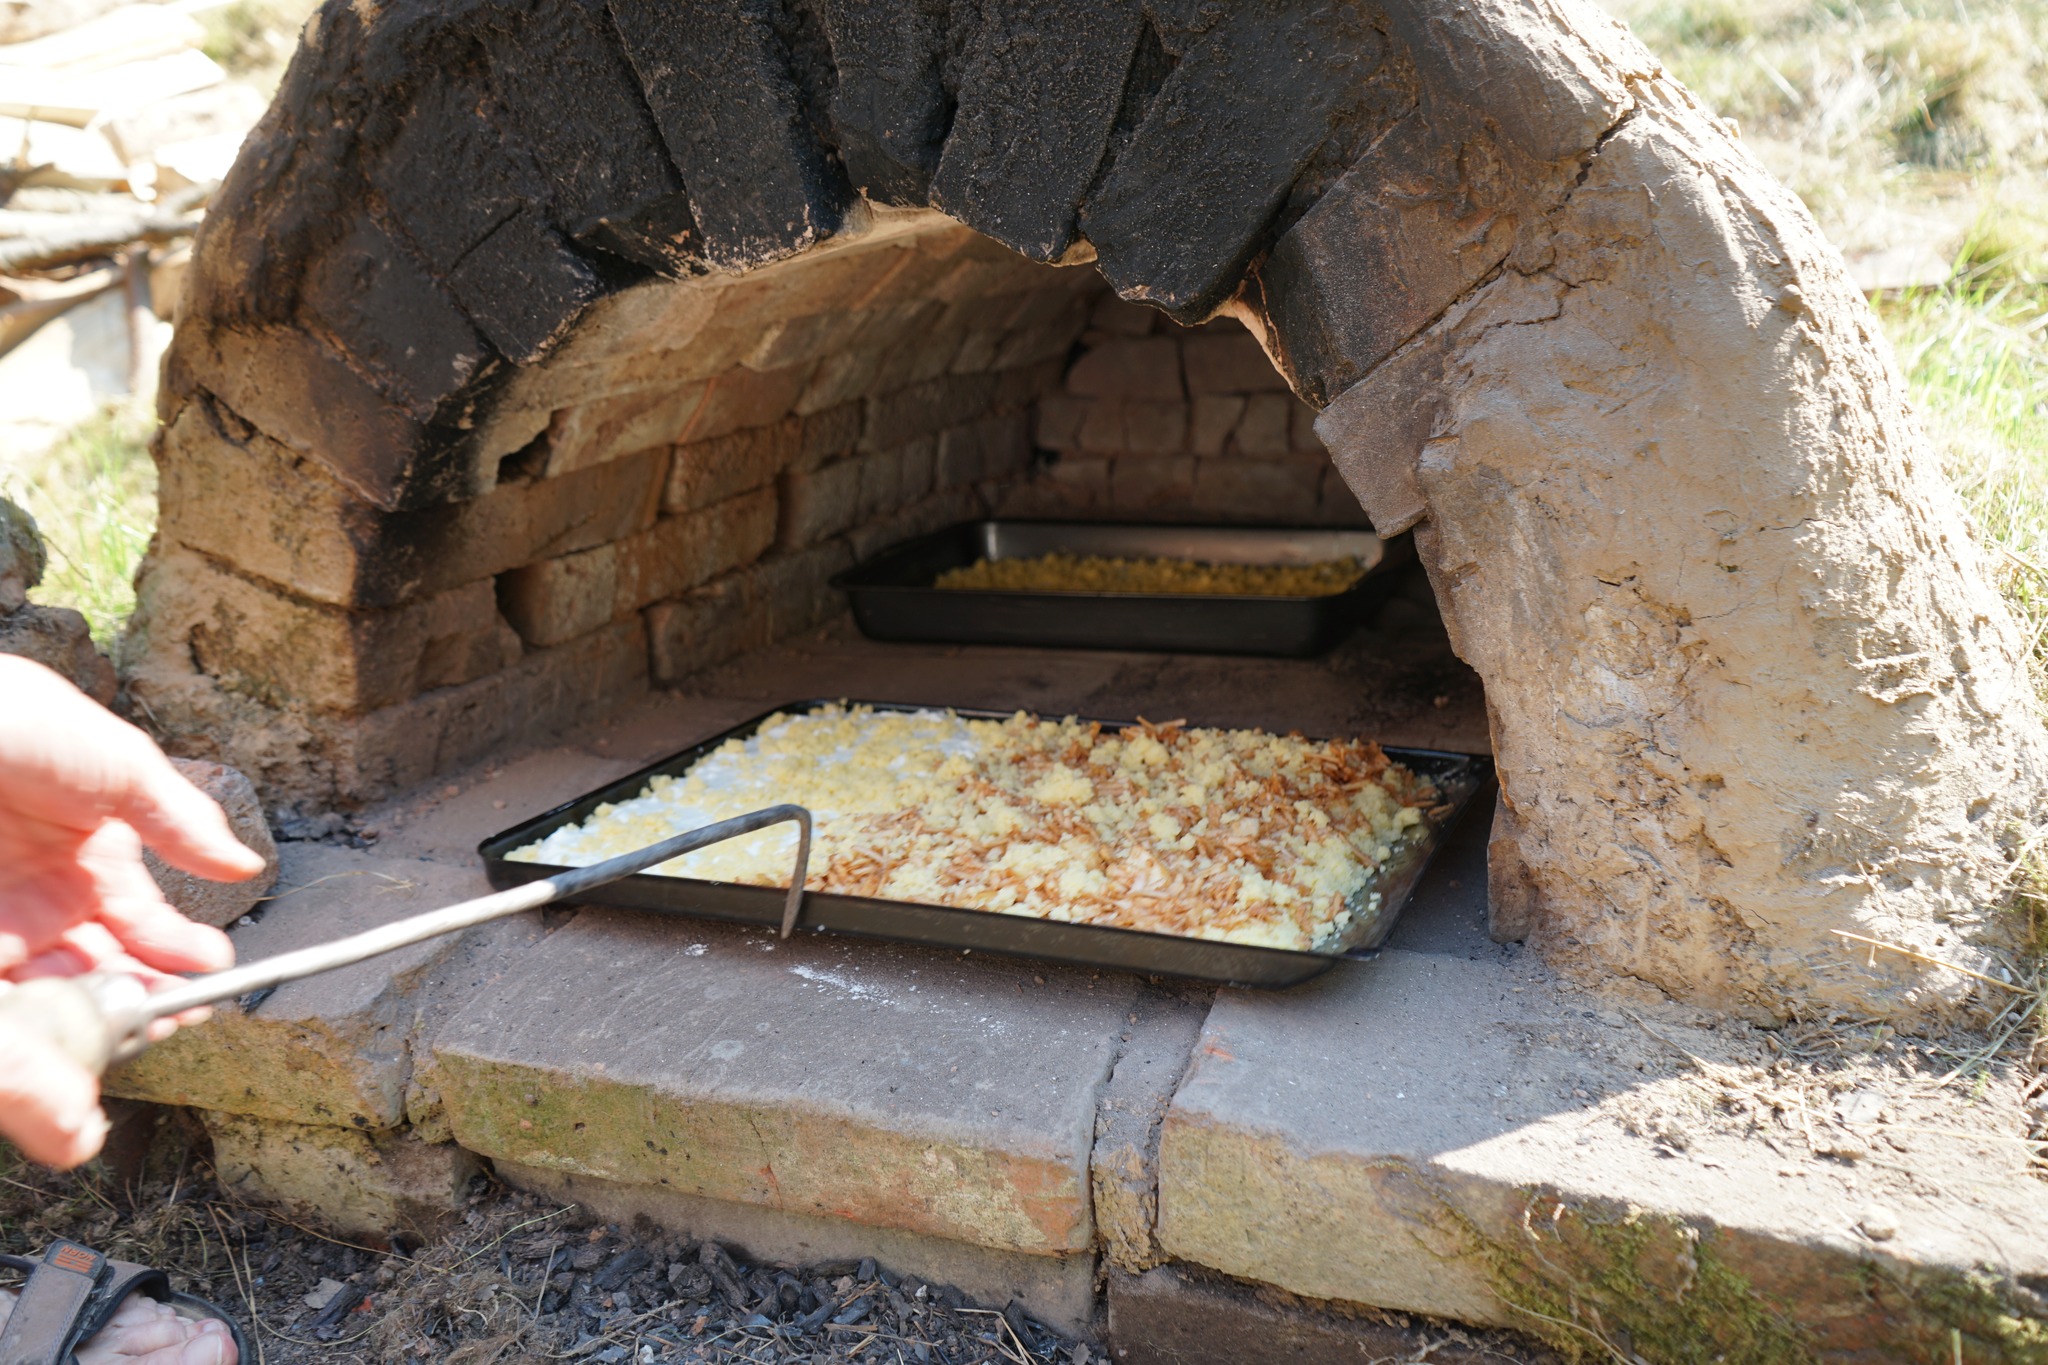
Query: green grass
column 1976, row 357
column 94, row 498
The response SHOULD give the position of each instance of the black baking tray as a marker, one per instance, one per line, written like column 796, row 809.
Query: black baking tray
column 893, row 596
column 1458, row 778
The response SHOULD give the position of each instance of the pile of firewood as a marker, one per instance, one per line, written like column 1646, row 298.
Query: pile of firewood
column 115, row 128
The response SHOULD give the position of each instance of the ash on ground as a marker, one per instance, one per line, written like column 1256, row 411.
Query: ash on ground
column 514, row 1278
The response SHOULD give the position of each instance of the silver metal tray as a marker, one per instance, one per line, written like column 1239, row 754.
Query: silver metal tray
column 893, row 596
column 1458, row 778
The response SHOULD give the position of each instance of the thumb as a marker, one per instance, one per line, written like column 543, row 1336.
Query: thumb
column 49, row 1105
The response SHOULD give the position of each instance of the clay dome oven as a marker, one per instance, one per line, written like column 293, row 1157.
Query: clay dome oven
column 537, row 352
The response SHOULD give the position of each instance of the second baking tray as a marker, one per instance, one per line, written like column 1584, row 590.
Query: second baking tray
column 893, row 596
column 1458, row 778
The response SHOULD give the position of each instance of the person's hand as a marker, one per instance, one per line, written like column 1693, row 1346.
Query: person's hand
column 80, row 792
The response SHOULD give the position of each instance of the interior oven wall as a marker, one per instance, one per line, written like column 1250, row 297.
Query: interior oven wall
column 674, row 484
column 1159, row 422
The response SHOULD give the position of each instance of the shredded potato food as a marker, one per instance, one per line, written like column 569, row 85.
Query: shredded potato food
column 1236, row 835
column 1098, row 573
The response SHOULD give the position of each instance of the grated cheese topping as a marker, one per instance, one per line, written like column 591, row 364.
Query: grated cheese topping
column 1236, row 835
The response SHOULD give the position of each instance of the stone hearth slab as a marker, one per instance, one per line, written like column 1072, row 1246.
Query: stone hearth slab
column 336, row 1048
column 447, row 820
column 1444, row 1131
column 939, row 1093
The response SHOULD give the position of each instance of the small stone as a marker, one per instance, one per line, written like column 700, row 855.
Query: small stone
column 323, row 1293
column 220, row 903
column 22, row 557
column 59, row 639
column 1878, row 1223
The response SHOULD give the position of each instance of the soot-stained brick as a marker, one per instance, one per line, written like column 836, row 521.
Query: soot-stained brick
column 1039, row 92
column 609, row 181
column 1190, row 198
column 387, row 312
column 523, row 285
column 890, row 110
column 448, row 177
column 717, row 77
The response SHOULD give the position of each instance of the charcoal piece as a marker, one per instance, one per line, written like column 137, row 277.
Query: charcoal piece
column 523, row 286
column 589, row 1256
column 326, row 1323
column 1191, row 197
column 1039, row 92
column 687, row 1281
column 390, row 316
column 866, row 1270
column 1027, row 1332
column 724, row 1274
column 854, row 1311
column 890, row 110
column 621, row 1267
column 717, row 77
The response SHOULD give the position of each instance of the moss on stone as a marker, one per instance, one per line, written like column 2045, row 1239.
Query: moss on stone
column 1983, row 1308
column 1599, row 1283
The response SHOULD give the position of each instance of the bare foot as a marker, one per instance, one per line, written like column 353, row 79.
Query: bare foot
column 145, row 1332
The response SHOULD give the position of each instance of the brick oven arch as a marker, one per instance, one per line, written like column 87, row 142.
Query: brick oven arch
column 481, row 260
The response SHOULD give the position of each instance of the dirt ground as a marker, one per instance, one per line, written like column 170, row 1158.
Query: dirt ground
column 514, row 1278
column 1893, row 1121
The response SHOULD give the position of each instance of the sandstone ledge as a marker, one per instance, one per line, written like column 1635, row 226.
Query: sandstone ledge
column 1376, row 1139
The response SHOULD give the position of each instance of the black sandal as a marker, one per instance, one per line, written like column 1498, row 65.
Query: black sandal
column 73, row 1291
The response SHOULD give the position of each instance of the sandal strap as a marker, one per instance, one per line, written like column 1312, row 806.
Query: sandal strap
column 44, row 1326
column 73, row 1291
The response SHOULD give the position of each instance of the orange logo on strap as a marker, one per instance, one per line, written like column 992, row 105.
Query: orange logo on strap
column 75, row 1258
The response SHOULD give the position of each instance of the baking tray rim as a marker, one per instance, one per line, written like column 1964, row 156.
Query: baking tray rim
column 502, row 871
column 848, row 578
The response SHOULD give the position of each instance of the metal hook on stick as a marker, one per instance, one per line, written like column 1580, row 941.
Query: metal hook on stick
column 102, row 1018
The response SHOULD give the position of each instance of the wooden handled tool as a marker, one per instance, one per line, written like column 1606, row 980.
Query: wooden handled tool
column 102, row 1018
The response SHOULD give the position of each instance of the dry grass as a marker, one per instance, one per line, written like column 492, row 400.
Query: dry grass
column 1901, row 121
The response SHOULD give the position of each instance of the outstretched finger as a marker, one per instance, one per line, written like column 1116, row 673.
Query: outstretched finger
column 182, row 823
column 67, row 760
column 136, row 913
column 49, row 1104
